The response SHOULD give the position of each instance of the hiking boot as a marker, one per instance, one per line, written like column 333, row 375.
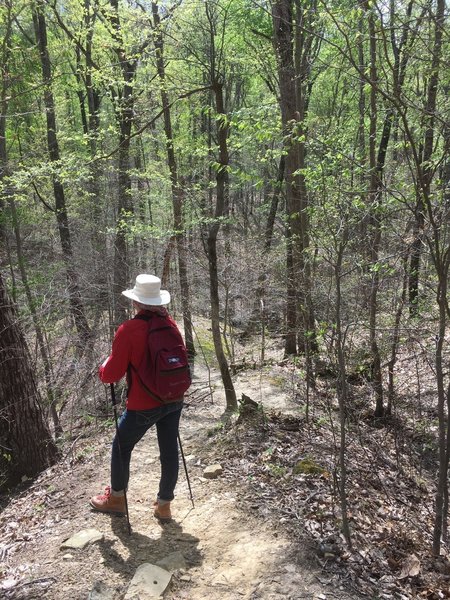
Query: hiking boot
column 108, row 503
column 162, row 511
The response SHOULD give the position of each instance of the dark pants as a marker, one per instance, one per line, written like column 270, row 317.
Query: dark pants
column 132, row 426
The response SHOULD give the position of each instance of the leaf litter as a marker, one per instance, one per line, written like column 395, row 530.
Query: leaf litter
column 286, row 468
column 291, row 466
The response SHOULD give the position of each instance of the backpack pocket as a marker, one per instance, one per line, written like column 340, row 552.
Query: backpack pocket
column 172, row 370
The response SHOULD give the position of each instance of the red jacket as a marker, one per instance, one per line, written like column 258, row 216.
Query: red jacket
column 128, row 347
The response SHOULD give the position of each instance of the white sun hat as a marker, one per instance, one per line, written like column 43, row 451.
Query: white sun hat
column 147, row 290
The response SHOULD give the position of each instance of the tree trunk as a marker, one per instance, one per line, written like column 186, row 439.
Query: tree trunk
column 426, row 175
column 443, row 411
column 283, row 42
column 342, row 392
column 9, row 196
column 98, row 239
column 76, row 304
column 52, row 395
column 290, row 340
column 221, row 190
column 361, row 136
column 4, row 102
column 374, row 228
column 293, row 70
column 258, row 306
column 121, row 270
column 177, row 191
column 396, row 335
column 25, row 440
column 166, row 262
column 377, row 165
column 124, row 114
column 441, row 258
column 415, row 260
column 302, row 60
column 85, row 76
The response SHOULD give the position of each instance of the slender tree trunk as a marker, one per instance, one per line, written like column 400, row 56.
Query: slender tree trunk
column 396, row 336
column 445, row 503
column 377, row 165
column 98, row 238
column 76, row 304
column 342, row 394
column 26, row 444
column 374, row 223
column 177, row 191
column 445, row 178
column 121, row 267
column 270, row 223
column 214, row 80
column 5, row 81
column 426, row 167
column 443, row 411
column 416, row 254
column 80, row 93
column 258, row 306
column 124, row 114
column 441, row 259
column 362, row 92
column 166, row 261
column 290, row 341
column 221, row 190
column 89, row 99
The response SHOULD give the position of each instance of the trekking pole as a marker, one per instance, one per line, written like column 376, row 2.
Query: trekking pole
column 113, row 399
column 185, row 470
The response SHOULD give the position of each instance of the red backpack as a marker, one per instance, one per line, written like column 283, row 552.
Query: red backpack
column 164, row 370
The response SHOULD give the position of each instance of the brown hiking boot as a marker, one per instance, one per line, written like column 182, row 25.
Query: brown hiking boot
column 162, row 511
column 108, row 503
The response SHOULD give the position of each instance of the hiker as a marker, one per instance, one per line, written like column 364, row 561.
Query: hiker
column 142, row 410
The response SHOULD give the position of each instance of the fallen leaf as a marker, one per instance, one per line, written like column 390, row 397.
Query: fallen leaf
column 9, row 583
column 410, row 567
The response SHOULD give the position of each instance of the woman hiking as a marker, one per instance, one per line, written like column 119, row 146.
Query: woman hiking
column 143, row 409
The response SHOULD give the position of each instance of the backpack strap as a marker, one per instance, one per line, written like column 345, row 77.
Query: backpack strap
column 144, row 317
column 148, row 317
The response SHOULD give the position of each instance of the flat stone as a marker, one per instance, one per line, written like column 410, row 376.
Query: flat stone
column 101, row 591
column 172, row 562
column 213, row 471
column 148, row 583
column 83, row 538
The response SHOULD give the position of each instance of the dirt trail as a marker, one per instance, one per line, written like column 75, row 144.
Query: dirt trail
column 231, row 553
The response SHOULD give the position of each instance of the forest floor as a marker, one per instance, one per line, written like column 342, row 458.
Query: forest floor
column 267, row 528
column 232, row 546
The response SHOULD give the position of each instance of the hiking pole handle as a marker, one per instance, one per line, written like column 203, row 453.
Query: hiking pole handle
column 113, row 400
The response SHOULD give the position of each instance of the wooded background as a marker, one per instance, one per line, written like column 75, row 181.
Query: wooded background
column 282, row 166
